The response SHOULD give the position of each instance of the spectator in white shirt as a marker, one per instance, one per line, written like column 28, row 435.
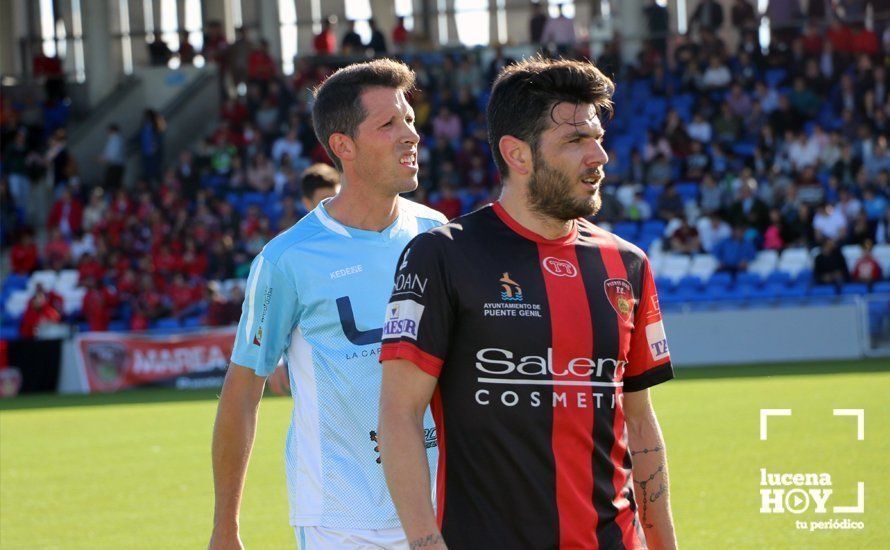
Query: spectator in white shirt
column 803, row 152
column 560, row 31
column 712, row 230
column 289, row 145
column 717, row 75
column 829, row 223
column 114, row 157
column 699, row 129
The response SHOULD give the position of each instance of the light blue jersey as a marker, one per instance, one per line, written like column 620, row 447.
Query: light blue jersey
column 317, row 294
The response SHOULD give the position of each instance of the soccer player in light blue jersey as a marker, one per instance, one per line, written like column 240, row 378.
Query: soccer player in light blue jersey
column 316, row 294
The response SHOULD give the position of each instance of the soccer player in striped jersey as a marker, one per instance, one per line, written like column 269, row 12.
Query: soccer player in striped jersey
column 316, row 294
column 535, row 338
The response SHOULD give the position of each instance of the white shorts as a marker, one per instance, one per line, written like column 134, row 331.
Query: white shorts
column 322, row 538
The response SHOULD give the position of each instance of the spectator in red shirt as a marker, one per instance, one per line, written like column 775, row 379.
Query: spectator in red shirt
column 89, row 268
column 261, row 68
column 98, row 305
column 182, row 296
column 66, row 214
column 40, row 310
column 57, row 251
column 234, row 112
column 864, row 41
column 164, row 261
column 400, row 35
column 194, row 263
column 325, row 42
column 23, row 256
column 867, row 269
column 447, row 203
column 214, row 42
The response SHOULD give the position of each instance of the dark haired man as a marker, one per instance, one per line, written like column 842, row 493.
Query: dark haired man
column 315, row 294
column 536, row 341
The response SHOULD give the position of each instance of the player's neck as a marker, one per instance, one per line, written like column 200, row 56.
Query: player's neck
column 515, row 201
column 356, row 208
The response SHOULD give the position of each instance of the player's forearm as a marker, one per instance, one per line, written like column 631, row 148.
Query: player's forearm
column 233, row 436
column 651, row 484
column 404, row 459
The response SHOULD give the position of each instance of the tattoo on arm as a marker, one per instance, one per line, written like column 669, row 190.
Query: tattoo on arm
column 651, row 490
column 427, row 541
column 647, row 451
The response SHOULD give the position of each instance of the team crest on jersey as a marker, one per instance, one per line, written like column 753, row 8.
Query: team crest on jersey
column 510, row 289
column 559, row 267
column 258, row 337
column 620, row 295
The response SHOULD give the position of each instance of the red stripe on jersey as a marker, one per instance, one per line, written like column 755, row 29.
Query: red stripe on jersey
column 616, row 270
column 429, row 364
column 439, row 419
column 572, row 438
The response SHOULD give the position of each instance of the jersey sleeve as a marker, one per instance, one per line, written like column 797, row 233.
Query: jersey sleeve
column 420, row 313
column 268, row 316
column 649, row 360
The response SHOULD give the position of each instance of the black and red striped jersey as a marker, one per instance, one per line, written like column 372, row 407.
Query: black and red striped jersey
column 533, row 342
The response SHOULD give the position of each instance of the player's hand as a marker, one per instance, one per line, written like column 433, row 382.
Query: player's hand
column 227, row 539
column 279, row 381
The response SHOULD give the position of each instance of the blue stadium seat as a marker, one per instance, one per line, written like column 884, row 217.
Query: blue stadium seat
column 166, row 323
column 9, row 332
column 626, row 230
column 747, row 279
column 854, row 288
column 822, row 290
column 690, row 282
column 882, row 287
column 192, row 322
column 778, row 278
column 653, row 227
column 791, row 292
column 687, row 190
column 775, row 77
column 663, row 284
column 15, row 282
column 720, row 279
column 118, row 326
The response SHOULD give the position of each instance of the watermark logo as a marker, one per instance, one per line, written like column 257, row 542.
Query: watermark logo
column 800, row 492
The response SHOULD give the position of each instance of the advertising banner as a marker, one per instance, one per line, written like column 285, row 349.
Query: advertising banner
column 114, row 361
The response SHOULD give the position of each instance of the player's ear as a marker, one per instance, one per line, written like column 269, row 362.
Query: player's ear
column 342, row 146
column 517, row 154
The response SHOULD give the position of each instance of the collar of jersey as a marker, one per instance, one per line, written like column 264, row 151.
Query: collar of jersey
column 528, row 233
column 334, row 226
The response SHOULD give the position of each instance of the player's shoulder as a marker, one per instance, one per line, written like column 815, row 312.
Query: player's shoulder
column 607, row 238
column 421, row 212
column 466, row 226
column 288, row 241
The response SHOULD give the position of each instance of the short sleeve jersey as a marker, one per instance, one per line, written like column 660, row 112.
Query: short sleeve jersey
column 317, row 294
column 534, row 343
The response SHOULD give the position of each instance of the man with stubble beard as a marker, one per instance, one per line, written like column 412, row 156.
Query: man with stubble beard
column 534, row 335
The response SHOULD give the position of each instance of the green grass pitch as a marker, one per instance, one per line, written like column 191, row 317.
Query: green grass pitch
column 132, row 470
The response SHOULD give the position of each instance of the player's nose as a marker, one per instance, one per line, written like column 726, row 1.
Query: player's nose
column 596, row 154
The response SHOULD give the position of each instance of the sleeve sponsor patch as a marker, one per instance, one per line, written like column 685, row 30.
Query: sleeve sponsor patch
column 657, row 341
column 402, row 319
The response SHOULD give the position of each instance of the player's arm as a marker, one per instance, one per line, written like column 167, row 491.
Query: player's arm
column 268, row 317
column 405, row 394
column 233, row 435
column 650, row 471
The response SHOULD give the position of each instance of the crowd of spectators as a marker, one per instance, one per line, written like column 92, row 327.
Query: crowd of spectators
column 785, row 146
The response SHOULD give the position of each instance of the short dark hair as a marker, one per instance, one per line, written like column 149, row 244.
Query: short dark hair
column 318, row 176
column 524, row 95
column 338, row 107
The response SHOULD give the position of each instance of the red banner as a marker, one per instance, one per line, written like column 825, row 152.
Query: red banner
column 114, row 361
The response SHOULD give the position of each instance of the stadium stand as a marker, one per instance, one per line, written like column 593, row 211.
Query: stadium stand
column 792, row 151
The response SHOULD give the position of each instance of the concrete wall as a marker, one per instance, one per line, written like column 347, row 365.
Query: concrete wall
column 765, row 335
column 155, row 88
